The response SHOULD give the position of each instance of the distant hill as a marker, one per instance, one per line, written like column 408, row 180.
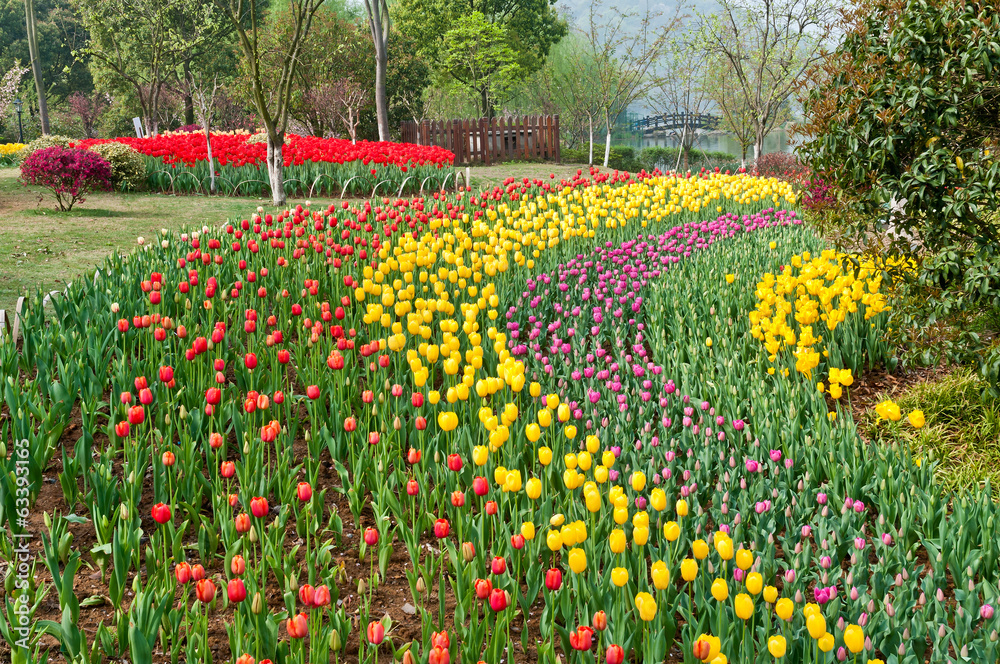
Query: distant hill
column 577, row 9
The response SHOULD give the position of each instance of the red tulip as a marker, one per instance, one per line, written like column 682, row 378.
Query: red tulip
column 417, row 399
column 238, row 565
column 582, row 639
column 312, row 392
column 304, row 491
column 498, row 566
column 420, row 423
column 441, row 528
column 136, row 415
column 491, row 507
column 480, row 486
column 457, row 499
column 213, row 396
column 440, row 640
column 242, row 522
column 259, row 507
column 438, row 655
column 615, row 655
column 168, row 458
column 161, row 513
column 600, row 621
column 197, row 572
column 215, row 441
column 250, row 361
column 204, row 590
column 553, row 579
column 140, row 383
column 122, row 429
column 307, row 594
column 298, row 626
column 236, row 590
column 498, row 600
column 125, row 398
column 373, row 438
column 321, row 596
column 412, row 488
column 122, row 325
column 483, row 588
column 166, row 374
column 183, row 573
column 350, row 424
column 454, row 462
column 248, row 659
column 371, row 536
column 517, row 541
column 375, row 632
column 413, row 456
column 227, row 469
column 145, row 396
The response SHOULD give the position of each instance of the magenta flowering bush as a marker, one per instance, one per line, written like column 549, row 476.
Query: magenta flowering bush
column 70, row 173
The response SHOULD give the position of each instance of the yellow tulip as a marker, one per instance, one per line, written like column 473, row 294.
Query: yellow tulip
column 619, row 576
column 601, row 474
column 743, row 606
column 447, row 421
column 534, row 389
column 744, row 559
column 544, row 455
column 658, row 499
column 577, row 560
column 671, row 531
column 816, row 624
column 621, row 515
column 533, row 487
column 570, row 431
column 724, row 546
column 720, row 590
column 826, row 642
column 553, row 540
column 593, row 444
column 608, row 459
column 646, row 606
column 689, row 569
column 777, row 646
column 770, row 594
column 700, row 549
column 754, row 583
column 916, row 419
column 640, row 535
column 638, row 480
column 552, row 401
column 570, row 461
column 563, row 413
column 480, row 455
column 544, row 417
column 616, row 540
column 784, row 609
column 660, row 574
column 854, row 638
column 681, row 508
column 533, row 432
column 528, row 530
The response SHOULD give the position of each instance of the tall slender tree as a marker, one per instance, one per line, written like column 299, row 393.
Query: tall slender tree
column 36, row 64
column 379, row 25
column 272, row 102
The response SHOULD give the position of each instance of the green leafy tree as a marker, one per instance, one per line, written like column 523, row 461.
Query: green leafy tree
column 904, row 119
column 530, row 28
column 141, row 45
column 481, row 59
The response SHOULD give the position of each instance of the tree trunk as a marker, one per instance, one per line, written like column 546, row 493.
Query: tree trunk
column 591, row 159
column 276, row 167
column 381, row 104
column 188, row 101
column 36, row 65
column 758, row 145
column 211, row 163
column 607, row 147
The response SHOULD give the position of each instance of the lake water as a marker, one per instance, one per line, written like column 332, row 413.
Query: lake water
column 716, row 141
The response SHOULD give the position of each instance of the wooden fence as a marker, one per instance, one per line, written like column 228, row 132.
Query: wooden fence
column 489, row 141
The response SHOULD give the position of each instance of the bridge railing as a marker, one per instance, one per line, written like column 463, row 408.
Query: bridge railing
column 670, row 121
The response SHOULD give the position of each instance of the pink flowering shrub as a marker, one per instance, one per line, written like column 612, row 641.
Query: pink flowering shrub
column 70, row 173
column 782, row 165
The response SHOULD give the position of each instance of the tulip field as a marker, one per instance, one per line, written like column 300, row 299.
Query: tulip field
column 178, row 163
column 599, row 420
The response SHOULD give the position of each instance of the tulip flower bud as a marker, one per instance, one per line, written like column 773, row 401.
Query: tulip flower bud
column 421, row 586
column 335, row 644
column 257, row 605
column 253, row 535
column 362, row 587
column 123, row 513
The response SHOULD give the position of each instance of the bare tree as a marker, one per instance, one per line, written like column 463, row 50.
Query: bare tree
column 768, row 45
column 682, row 86
column 203, row 91
column 379, row 24
column 576, row 86
column 350, row 96
column 272, row 103
column 737, row 115
column 626, row 45
column 36, row 64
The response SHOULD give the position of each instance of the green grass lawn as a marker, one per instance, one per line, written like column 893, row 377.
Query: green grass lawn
column 43, row 249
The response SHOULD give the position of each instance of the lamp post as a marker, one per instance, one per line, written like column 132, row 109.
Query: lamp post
column 18, row 104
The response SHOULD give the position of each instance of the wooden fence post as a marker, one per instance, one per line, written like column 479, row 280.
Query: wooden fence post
column 558, row 141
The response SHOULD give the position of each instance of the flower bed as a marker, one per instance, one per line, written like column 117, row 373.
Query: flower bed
column 179, row 162
column 525, row 424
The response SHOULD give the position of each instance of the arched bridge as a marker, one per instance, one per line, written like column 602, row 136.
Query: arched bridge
column 671, row 121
